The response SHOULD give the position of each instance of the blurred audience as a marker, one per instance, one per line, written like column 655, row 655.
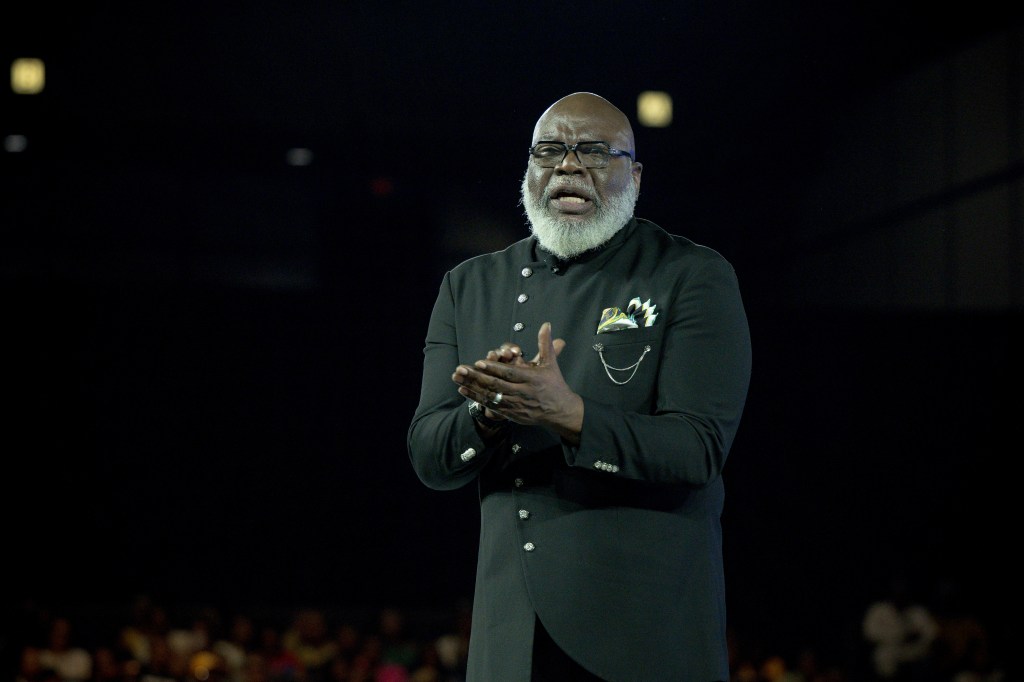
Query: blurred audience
column 905, row 638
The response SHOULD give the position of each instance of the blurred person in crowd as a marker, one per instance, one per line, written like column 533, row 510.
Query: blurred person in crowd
column 397, row 646
column 598, row 461
column 257, row 668
column 309, row 638
column 31, row 667
column 235, row 645
column 107, row 665
column 900, row 631
column 280, row 663
column 349, row 639
column 147, row 621
column 71, row 662
column 367, row 659
column 453, row 646
column 197, row 635
column 164, row 664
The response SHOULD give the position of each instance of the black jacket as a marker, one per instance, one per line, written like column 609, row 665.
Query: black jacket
column 615, row 544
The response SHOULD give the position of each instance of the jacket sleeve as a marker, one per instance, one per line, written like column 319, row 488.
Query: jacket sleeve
column 701, row 387
column 445, row 449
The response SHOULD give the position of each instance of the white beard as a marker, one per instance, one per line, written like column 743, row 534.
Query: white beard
column 567, row 238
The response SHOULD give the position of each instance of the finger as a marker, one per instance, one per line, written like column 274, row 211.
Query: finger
column 488, row 371
column 557, row 345
column 469, row 381
column 507, row 352
column 491, row 400
column 510, row 350
column 480, row 394
column 545, row 349
column 481, row 386
column 473, row 395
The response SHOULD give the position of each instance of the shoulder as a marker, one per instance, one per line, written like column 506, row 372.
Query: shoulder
column 512, row 256
column 673, row 248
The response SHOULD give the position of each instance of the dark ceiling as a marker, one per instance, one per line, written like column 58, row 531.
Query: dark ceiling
column 170, row 103
column 391, row 80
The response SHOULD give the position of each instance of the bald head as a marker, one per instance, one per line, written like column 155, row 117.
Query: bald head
column 582, row 112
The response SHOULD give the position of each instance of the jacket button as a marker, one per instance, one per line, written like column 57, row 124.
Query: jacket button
column 469, row 454
column 529, row 547
column 518, row 326
column 519, row 482
column 524, row 514
column 523, row 298
column 526, row 272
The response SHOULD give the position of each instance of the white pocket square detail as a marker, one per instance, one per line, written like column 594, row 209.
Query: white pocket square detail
column 638, row 314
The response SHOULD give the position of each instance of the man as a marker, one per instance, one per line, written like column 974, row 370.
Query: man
column 598, row 460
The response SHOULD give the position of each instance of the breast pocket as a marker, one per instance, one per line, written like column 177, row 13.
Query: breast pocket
column 622, row 368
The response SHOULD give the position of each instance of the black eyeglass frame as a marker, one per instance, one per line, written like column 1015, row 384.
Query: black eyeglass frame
column 612, row 151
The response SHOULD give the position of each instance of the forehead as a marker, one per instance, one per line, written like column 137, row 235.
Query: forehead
column 566, row 125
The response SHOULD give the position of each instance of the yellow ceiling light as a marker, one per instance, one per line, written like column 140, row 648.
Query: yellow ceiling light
column 654, row 109
column 28, row 76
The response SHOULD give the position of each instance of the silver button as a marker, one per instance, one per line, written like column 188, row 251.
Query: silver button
column 526, row 272
column 519, row 482
column 518, row 326
column 523, row 298
column 516, row 447
column 529, row 546
column 524, row 513
column 469, row 454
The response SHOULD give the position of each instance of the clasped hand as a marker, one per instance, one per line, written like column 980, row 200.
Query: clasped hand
column 532, row 393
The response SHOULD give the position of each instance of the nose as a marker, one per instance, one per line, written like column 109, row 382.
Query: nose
column 570, row 164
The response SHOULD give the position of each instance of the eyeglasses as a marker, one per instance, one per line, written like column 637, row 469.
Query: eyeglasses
column 591, row 154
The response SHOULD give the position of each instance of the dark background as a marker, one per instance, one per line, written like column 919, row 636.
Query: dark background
column 213, row 356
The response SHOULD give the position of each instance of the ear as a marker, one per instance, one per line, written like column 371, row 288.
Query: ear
column 635, row 172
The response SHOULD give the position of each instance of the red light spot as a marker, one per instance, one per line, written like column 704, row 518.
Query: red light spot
column 382, row 187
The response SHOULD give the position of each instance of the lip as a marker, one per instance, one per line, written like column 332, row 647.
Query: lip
column 561, row 202
column 571, row 207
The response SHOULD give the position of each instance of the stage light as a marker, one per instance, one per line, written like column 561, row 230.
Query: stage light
column 299, row 156
column 654, row 109
column 28, row 76
column 15, row 143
